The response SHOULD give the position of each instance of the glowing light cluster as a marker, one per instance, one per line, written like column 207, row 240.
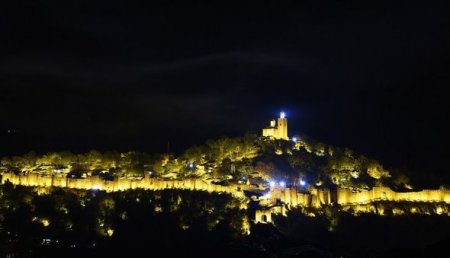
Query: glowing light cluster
column 272, row 184
column 302, row 182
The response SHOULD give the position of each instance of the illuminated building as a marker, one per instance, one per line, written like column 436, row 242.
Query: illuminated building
column 278, row 129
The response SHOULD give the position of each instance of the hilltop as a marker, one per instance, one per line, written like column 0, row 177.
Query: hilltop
column 251, row 159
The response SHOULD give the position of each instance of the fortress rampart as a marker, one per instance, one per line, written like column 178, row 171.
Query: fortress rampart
column 289, row 196
column 342, row 196
column 347, row 196
column 121, row 184
column 293, row 198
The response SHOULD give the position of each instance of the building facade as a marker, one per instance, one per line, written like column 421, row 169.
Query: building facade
column 278, row 129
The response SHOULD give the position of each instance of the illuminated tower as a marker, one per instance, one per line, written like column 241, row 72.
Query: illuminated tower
column 282, row 127
column 278, row 129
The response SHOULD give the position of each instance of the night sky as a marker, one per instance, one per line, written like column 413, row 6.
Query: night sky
column 121, row 75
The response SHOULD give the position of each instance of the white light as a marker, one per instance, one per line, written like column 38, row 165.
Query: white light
column 294, row 139
column 95, row 187
column 282, row 184
column 302, row 182
column 272, row 183
column 282, row 115
column 191, row 165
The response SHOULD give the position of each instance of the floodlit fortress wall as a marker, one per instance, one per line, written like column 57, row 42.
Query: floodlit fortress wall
column 318, row 197
column 121, row 184
column 289, row 196
column 347, row 196
column 293, row 198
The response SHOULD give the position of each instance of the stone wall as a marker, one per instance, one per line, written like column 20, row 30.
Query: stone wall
column 318, row 197
column 263, row 216
column 121, row 184
column 289, row 196
column 293, row 198
column 347, row 196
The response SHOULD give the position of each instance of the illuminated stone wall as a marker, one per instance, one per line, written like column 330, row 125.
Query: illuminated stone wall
column 347, row 196
column 357, row 201
column 263, row 216
column 289, row 196
column 318, row 197
column 122, row 184
column 269, row 132
column 293, row 198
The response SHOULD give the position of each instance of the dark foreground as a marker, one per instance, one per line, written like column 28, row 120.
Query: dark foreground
column 69, row 223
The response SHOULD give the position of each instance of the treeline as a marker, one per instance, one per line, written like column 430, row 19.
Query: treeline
column 217, row 158
column 67, row 162
column 252, row 156
column 225, row 158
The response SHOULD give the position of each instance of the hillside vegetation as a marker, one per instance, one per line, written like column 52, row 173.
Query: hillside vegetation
column 223, row 160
